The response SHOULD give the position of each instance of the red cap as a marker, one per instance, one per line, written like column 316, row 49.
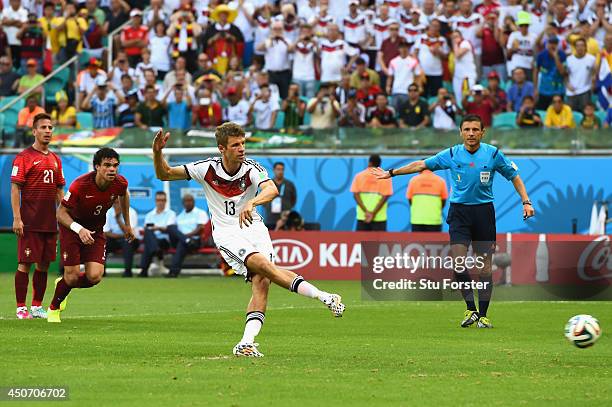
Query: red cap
column 31, row 62
column 94, row 61
column 231, row 90
column 493, row 75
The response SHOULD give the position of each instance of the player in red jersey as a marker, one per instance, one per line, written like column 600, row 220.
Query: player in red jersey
column 37, row 186
column 81, row 216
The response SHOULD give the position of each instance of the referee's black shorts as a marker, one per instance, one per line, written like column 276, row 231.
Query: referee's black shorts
column 473, row 224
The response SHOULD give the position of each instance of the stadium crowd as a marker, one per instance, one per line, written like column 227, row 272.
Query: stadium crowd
column 313, row 63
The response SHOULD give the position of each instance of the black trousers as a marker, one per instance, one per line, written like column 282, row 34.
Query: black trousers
column 282, row 79
column 182, row 243
column 127, row 249
column 433, row 84
column 372, row 226
column 426, row 228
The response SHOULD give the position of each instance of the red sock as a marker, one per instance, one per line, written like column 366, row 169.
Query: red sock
column 39, row 286
column 84, row 282
column 61, row 291
column 21, row 287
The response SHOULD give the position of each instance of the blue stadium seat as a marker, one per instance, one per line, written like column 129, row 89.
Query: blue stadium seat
column 52, row 86
column 280, row 119
column 577, row 118
column 505, row 120
column 85, row 120
column 601, row 115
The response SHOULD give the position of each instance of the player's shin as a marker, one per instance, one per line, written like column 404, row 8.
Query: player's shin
column 61, row 292
column 484, row 294
column 254, row 322
column 303, row 287
column 39, row 286
column 466, row 293
column 21, row 287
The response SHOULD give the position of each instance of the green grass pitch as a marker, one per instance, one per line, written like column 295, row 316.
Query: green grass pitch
column 132, row 342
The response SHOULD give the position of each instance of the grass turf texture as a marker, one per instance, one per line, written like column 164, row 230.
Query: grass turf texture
column 157, row 342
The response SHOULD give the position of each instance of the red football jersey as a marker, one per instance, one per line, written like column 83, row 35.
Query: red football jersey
column 88, row 204
column 39, row 175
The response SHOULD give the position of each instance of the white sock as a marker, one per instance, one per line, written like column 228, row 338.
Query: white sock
column 308, row 290
column 254, row 322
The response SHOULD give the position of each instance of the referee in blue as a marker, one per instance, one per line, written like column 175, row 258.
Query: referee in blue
column 471, row 216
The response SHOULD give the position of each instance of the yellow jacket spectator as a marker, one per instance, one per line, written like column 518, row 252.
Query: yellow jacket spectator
column 70, row 29
column 371, row 195
column 559, row 115
column 427, row 194
column 63, row 115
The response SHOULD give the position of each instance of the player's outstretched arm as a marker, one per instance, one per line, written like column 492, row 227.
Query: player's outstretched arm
column 64, row 218
column 528, row 210
column 163, row 171
column 267, row 194
column 415, row 166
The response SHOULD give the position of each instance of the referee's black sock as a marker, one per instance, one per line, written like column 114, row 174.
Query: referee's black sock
column 467, row 293
column 484, row 295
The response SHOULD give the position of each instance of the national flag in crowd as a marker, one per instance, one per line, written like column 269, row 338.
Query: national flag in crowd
column 604, row 84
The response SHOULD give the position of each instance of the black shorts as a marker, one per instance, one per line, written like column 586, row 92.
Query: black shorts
column 473, row 224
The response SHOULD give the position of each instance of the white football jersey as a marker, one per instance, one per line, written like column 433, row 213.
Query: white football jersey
column 227, row 193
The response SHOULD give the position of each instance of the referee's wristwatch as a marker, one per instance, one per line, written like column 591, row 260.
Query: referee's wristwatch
column 390, row 171
column 527, row 202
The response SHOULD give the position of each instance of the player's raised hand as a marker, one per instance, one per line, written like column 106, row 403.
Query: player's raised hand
column 160, row 140
column 528, row 211
column 246, row 215
column 86, row 236
column 18, row 227
column 380, row 173
column 128, row 233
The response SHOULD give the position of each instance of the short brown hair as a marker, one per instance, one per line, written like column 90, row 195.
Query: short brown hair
column 39, row 117
column 227, row 130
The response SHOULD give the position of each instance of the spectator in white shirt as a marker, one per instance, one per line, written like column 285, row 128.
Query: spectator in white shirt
column 403, row 71
column 13, row 18
column 305, row 59
column 580, row 76
column 237, row 110
column 521, row 46
column 380, row 31
column 444, row 109
column 334, row 52
column 430, row 49
column 469, row 23
column 265, row 109
column 465, row 66
column 354, row 26
column 277, row 50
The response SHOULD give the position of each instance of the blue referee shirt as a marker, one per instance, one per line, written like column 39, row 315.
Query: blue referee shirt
column 472, row 173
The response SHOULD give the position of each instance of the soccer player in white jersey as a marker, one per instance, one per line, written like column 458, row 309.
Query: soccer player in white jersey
column 231, row 183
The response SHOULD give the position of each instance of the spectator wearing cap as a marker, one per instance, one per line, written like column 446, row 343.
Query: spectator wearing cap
column 179, row 109
column 482, row 104
column 430, row 49
column 366, row 94
column 25, row 118
column 86, row 79
column 403, row 70
column 31, row 79
column 491, row 35
column 276, row 55
column 414, row 112
column 222, row 31
column 413, row 28
column 389, row 49
column 519, row 89
column 150, row 112
column 464, row 75
column 63, row 115
column 580, row 76
column 121, row 66
column 371, row 195
column 103, row 103
column 521, row 46
column 135, row 37
column 496, row 93
column 324, row 109
column 559, row 115
column 548, row 76
column 352, row 113
column 32, row 41
column 127, row 116
column 13, row 18
column 305, row 62
column 354, row 26
column 237, row 110
column 360, row 67
column 265, row 109
column 381, row 115
column 334, row 52
column 9, row 79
